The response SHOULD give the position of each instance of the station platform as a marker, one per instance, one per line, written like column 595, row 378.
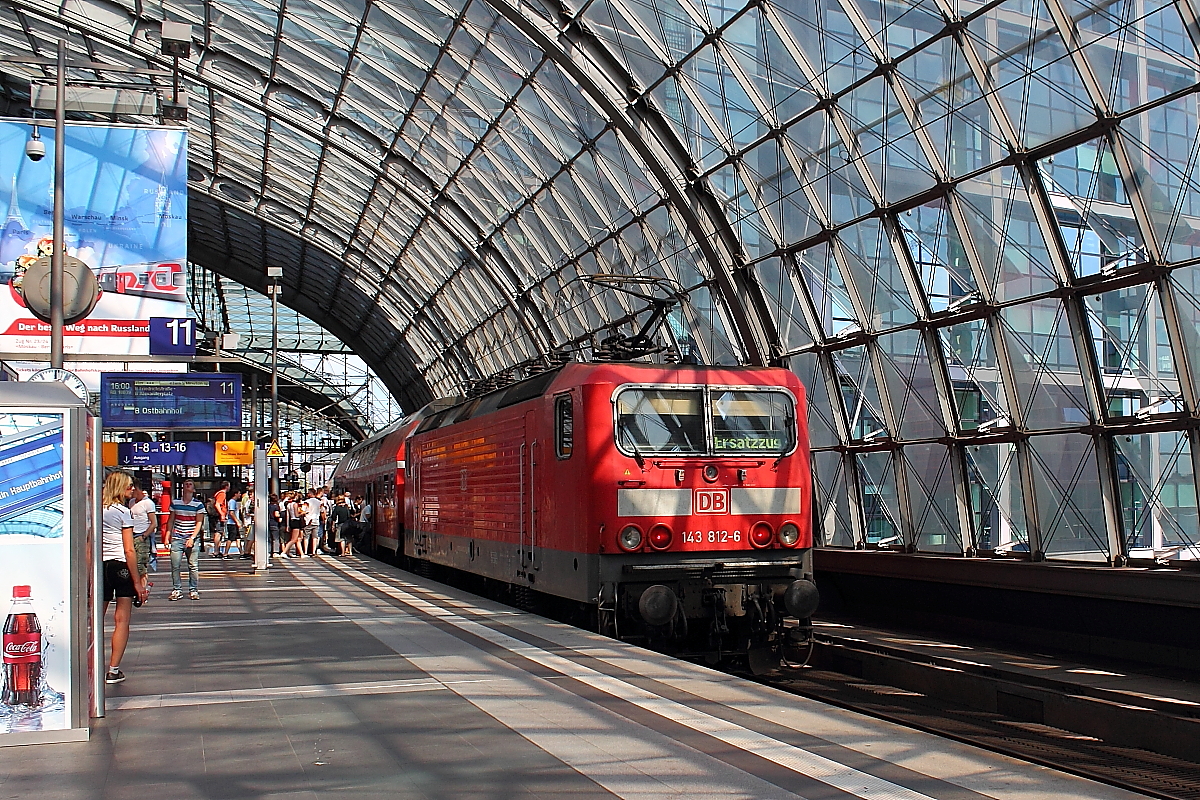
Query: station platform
column 348, row 678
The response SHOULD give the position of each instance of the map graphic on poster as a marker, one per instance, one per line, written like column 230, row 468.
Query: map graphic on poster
column 125, row 217
column 34, row 576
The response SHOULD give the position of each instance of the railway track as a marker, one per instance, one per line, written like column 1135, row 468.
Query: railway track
column 1087, row 756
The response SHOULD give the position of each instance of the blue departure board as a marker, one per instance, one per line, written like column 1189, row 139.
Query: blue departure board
column 158, row 401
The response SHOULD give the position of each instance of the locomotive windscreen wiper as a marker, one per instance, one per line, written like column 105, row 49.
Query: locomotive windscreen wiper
column 623, row 429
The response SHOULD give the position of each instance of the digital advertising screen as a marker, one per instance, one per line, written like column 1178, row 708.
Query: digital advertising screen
column 35, row 688
column 125, row 217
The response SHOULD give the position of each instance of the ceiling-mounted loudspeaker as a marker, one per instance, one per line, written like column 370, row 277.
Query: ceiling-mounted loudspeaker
column 81, row 290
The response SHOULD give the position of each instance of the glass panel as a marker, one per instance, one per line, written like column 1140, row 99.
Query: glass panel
column 822, row 425
column 1010, row 244
column 979, row 392
column 1045, row 365
column 828, row 40
column 1031, row 70
column 1092, row 209
column 881, row 508
column 776, row 281
column 940, row 255
column 661, row 421
column 820, row 271
column 1157, row 487
column 877, row 275
column 1185, row 284
column 951, row 107
column 754, row 43
column 752, row 422
column 860, row 394
column 1161, row 146
column 825, row 167
column 1126, row 40
column 885, row 138
column 1126, row 327
column 997, row 508
column 775, row 186
column 834, row 528
column 909, row 379
column 931, row 498
column 1067, row 484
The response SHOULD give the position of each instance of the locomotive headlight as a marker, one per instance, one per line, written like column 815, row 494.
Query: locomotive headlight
column 789, row 534
column 630, row 538
column 711, row 472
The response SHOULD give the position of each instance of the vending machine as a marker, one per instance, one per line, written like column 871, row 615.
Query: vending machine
column 47, row 503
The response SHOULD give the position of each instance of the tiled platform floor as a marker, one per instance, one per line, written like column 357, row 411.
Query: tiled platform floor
column 351, row 679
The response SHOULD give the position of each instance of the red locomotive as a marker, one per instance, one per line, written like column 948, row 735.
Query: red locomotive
column 672, row 501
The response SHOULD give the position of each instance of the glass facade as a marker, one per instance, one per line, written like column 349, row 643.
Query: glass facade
column 967, row 226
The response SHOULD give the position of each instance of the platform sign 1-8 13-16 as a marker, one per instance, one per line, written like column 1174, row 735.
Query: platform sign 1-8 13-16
column 157, row 401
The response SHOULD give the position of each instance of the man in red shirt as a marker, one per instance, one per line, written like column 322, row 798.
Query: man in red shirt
column 164, row 511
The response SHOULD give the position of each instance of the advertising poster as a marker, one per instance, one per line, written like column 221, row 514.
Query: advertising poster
column 126, row 218
column 34, row 576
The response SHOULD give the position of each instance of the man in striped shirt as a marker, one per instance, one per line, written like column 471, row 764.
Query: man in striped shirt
column 185, row 521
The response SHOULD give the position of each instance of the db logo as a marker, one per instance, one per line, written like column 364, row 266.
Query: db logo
column 712, row 501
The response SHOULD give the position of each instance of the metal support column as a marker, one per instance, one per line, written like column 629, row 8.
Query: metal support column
column 59, row 243
column 262, row 548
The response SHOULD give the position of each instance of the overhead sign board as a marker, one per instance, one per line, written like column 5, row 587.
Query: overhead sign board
column 165, row 454
column 234, row 453
column 150, row 401
column 172, row 336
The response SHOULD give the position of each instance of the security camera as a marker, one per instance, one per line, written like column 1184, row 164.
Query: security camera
column 35, row 148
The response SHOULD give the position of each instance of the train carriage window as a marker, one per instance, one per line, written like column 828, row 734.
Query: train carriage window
column 564, row 426
column 661, row 421
column 752, row 421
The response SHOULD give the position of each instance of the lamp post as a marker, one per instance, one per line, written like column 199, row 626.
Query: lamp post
column 275, row 273
column 59, row 243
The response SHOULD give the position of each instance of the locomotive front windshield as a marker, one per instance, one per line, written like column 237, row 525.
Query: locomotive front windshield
column 661, row 421
column 674, row 421
column 752, row 422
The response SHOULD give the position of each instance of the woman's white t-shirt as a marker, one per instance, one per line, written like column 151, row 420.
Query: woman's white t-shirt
column 116, row 517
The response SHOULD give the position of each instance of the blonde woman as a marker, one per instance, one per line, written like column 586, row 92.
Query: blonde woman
column 121, row 578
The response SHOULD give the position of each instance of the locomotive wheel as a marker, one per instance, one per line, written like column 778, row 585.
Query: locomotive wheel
column 763, row 660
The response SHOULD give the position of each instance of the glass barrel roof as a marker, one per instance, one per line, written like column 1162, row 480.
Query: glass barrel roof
column 973, row 228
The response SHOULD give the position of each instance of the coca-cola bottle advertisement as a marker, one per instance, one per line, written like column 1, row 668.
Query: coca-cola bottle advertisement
column 34, row 577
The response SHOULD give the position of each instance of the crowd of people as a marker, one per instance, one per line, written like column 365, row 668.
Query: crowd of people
column 299, row 524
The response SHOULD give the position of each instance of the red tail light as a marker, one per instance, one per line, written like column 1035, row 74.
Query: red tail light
column 761, row 535
column 660, row 537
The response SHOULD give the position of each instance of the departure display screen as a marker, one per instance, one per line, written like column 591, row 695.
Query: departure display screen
column 157, row 401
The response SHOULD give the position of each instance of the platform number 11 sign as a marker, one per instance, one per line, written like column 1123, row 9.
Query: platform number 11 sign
column 171, row 336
